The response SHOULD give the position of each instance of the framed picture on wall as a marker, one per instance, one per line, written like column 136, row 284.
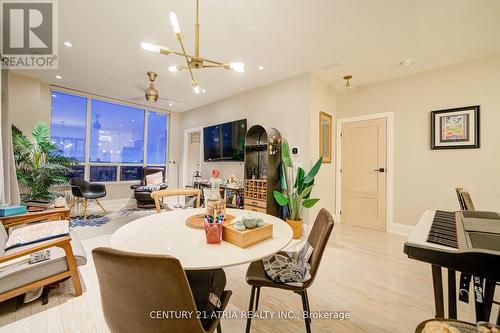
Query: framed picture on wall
column 455, row 128
column 325, row 136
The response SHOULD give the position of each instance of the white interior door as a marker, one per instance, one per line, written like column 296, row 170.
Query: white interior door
column 363, row 173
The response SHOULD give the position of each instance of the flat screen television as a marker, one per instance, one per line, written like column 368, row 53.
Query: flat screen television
column 225, row 142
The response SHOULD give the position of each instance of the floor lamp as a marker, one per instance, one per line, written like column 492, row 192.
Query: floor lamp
column 178, row 205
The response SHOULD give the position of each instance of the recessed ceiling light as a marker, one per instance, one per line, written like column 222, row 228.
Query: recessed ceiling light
column 59, row 77
column 68, row 44
column 406, row 62
column 170, row 104
column 203, row 90
column 260, row 68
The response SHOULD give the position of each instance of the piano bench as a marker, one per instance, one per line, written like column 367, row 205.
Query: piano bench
column 462, row 326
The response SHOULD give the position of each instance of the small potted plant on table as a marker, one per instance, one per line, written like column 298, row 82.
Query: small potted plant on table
column 295, row 191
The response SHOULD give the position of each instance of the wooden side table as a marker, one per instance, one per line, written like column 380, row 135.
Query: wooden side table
column 53, row 214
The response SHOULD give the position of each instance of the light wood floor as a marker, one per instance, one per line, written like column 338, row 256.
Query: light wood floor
column 364, row 272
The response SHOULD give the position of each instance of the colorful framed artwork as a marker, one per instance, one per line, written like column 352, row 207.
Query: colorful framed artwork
column 455, row 128
column 325, row 136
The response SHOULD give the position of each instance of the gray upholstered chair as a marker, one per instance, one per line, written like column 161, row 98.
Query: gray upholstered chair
column 19, row 277
column 134, row 287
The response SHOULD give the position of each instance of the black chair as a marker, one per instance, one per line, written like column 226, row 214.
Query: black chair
column 256, row 275
column 86, row 193
column 142, row 192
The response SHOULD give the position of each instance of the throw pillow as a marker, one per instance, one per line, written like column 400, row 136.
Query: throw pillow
column 154, row 178
column 36, row 232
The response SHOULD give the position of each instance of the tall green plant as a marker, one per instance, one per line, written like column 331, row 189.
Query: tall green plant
column 39, row 163
column 295, row 192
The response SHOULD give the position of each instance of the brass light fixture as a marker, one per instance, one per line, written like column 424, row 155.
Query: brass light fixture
column 347, row 79
column 192, row 61
column 151, row 93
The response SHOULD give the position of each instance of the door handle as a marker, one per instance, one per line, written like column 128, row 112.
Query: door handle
column 379, row 170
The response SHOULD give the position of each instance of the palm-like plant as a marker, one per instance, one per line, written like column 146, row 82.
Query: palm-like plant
column 295, row 192
column 39, row 163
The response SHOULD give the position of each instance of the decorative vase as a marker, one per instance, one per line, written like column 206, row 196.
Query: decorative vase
column 296, row 227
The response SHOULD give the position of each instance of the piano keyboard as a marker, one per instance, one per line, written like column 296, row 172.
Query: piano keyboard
column 443, row 230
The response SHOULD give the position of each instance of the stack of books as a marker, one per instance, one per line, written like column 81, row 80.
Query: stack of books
column 37, row 206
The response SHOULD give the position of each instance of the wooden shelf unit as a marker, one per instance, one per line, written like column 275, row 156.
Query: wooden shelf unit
column 256, row 195
column 262, row 160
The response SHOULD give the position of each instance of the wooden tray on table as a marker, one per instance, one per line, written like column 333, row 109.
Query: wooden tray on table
column 247, row 237
column 198, row 221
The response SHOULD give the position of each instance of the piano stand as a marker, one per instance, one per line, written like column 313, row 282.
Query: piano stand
column 437, row 281
column 483, row 310
column 489, row 292
column 452, row 294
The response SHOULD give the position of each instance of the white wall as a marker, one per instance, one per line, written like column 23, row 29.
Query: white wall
column 283, row 105
column 424, row 178
column 292, row 106
column 29, row 102
column 322, row 98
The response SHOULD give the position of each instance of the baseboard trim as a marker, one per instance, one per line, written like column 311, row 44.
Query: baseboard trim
column 401, row 229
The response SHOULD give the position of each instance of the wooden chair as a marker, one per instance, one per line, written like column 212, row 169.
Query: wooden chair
column 66, row 253
column 464, row 199
column 136, row 289
column 465, row 202
column 86, row 193
column 157, row 195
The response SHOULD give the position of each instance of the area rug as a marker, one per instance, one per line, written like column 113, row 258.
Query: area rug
column 99, row 224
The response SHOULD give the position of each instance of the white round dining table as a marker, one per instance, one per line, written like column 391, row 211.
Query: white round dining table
column 167, row 233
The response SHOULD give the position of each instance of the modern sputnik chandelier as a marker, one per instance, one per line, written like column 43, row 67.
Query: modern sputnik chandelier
column 192, row 61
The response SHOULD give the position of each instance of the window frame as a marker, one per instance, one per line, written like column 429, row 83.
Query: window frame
column 87, row 163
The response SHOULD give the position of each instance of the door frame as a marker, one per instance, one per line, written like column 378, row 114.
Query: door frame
column 389, row 116
column 185, row 152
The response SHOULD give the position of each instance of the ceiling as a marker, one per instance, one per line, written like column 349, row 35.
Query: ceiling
column 365, row 38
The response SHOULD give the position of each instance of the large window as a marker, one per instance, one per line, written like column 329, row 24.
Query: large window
column 157, row 138
column 69, row 116
column 116, row 133
column 112, row 141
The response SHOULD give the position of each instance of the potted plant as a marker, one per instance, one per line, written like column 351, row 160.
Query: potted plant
column 296, row 192
column 39, row 163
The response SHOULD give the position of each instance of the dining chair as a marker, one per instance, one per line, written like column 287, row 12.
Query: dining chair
column 137, row 289
column 86, row 193
column 157, row 195
column 256, row 275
